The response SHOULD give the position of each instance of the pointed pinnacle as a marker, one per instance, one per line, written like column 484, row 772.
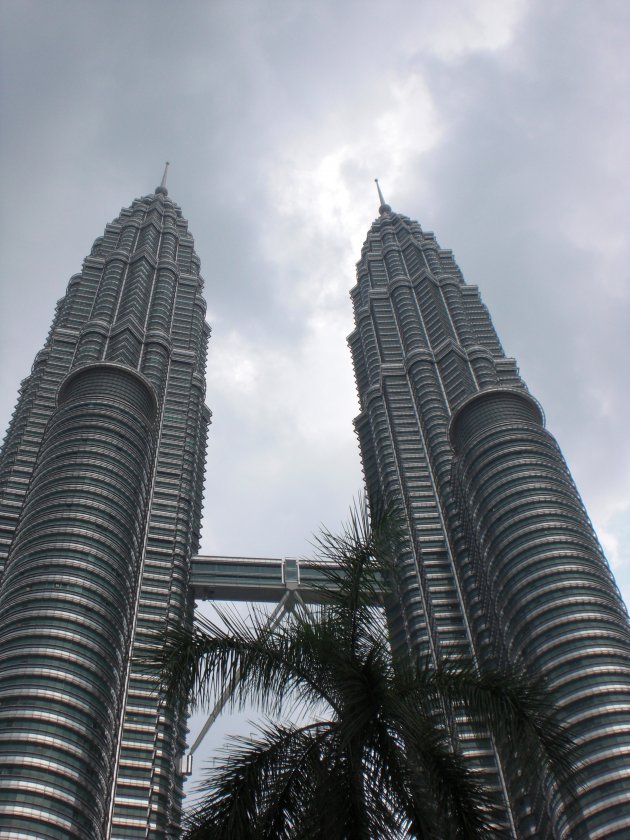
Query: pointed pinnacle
column 384, row 208
column 162, row 188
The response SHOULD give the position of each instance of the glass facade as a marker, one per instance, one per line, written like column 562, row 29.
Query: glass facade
column 500, row 561
column 100, row 501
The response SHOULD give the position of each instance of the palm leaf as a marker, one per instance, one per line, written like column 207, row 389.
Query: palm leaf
column 383, row 760
column 259, row 787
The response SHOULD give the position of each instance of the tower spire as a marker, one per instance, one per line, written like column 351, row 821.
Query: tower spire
column 162, row 188
column 384, row 208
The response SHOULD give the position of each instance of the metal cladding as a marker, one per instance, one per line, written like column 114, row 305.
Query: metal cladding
column 553, row 592
column 66, row 604
column 499, row 558
column 100, row 501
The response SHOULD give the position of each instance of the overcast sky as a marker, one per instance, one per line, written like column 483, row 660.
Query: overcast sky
column 502, row 126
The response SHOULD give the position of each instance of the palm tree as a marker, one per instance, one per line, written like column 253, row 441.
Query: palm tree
column 375, row 755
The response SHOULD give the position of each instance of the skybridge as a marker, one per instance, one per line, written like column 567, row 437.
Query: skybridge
column 288, row 582
column 260, row 579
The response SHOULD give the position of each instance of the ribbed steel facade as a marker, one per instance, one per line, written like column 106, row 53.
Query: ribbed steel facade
column 500, row 560
column 100, row 501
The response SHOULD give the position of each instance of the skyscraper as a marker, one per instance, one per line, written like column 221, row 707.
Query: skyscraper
column 500, row 560
column 100, row 501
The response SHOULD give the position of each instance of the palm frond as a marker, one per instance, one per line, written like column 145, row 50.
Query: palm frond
column 518, row 709
column 436, row 772
column 262, row 667
column 259, row 788
column 388, row 764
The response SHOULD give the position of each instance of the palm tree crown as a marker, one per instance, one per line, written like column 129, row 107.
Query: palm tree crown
column 375, row 756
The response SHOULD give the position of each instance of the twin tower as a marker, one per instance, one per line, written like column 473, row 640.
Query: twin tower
column 101, row 480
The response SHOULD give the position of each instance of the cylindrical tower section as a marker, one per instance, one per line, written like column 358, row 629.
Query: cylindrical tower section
column 66, row 605
column 551, row 586
column 452, row 291
column 109, row 289
column 92, row 343
column 483, row 366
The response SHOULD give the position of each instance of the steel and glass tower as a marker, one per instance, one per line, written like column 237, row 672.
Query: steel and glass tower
column 100, row 500
column 500, row 559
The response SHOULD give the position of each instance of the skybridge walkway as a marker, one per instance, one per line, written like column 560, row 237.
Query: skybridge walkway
column 259, row 579
column 288, row 582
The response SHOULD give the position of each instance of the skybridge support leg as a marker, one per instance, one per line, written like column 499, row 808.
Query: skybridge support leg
column 286, row 603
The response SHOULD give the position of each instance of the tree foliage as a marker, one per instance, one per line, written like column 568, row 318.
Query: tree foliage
column 376, row 754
